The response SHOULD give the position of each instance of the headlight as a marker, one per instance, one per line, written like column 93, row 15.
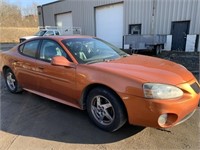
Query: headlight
column 161, row 91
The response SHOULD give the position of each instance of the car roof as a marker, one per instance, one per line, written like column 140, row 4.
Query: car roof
column 61, row 37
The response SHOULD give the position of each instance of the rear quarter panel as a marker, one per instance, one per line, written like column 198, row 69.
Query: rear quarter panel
column 5, row 60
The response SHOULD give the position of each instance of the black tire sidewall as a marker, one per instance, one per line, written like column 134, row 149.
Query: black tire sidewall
column 120, row 116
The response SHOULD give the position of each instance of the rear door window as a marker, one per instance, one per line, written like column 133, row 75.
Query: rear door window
column 29, row 48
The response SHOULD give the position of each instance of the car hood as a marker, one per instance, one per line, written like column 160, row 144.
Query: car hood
column 147, row 69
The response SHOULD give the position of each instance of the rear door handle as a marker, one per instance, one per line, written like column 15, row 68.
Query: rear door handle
column 41, row 67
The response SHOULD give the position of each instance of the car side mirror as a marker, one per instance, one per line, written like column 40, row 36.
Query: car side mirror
column 61, row 61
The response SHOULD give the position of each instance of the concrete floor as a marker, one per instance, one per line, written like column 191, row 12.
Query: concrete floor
column 29, row 121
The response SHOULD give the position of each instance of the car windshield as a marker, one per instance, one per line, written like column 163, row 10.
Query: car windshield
column 40, row 33
column 92, row 50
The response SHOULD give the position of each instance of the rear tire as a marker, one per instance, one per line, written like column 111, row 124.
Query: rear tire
column 11, row 82
column 105, row 109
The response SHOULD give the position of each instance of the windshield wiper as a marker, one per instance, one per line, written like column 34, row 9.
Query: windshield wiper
column 125, row 55
column 106, row 59
column 95, row 61
column 100, row 60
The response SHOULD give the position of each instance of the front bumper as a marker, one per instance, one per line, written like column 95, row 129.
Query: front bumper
column 146, row 112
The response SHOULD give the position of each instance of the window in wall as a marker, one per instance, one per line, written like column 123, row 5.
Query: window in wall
column 135, row 29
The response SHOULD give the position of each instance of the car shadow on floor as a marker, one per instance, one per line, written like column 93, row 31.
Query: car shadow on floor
column 34, row 116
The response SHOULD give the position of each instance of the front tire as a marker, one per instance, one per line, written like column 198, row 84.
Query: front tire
column 11, row 82
column 105, row 109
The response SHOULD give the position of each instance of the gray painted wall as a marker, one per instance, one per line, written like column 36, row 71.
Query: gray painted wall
column 155, row 16
column 83, row 13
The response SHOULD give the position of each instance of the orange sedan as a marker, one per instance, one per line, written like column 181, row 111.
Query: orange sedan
column 114, row 87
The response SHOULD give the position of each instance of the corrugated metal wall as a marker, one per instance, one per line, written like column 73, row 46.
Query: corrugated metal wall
column 138, row 12
column 155, row 16
column 168, row 11
column 83, row 13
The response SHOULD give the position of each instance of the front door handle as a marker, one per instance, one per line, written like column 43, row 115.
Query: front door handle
column 15, row 62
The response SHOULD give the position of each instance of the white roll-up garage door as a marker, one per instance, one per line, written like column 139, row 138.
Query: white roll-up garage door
column 65, row 21
column 109, row 23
